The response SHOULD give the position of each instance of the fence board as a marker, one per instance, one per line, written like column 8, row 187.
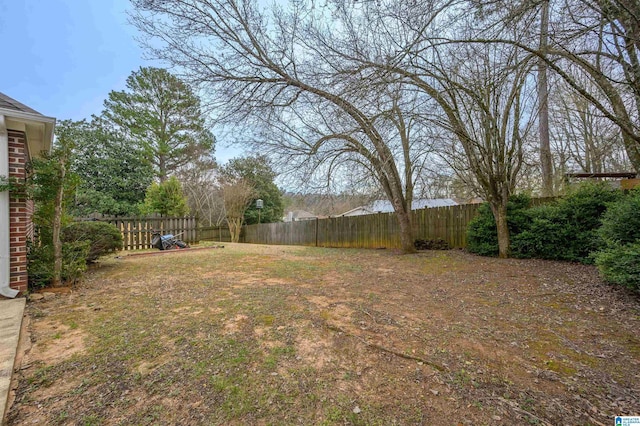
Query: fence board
column 214, row 233
column 367, row 231
column 136, row 231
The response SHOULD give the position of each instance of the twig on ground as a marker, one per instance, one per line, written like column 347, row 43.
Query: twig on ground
column 568, row 342
column 385, row 349
column 363, row 310
column 515, row 407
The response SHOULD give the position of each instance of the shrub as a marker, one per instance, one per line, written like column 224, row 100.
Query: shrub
column 620, row 265
column 567, row 230
column 482, row 235
column 166, row 198
column 621, row 222
column 545, row 234
column 40, row 262
column 586, row 204
column 103, row 237
column 437, row 244
column 39, row 265
column 74, row 259
column 619, row 262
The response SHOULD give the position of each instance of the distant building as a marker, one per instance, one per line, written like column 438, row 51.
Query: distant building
column 358, row 211
column 474, row 200
column 298, row 215
column 384, row 206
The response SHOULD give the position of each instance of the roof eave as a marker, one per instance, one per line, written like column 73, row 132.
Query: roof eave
column 21, row 115
column 48, row 122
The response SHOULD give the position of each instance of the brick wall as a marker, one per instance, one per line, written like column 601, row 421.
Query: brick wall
column 19, row 216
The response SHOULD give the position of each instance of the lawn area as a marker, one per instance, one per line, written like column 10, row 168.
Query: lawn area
column 278, row 335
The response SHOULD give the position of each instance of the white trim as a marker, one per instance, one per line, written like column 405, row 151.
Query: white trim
column 5, row 228
column 21, row 115
column 27, row 119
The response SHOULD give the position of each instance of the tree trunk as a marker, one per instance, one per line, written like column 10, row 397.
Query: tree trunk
column 504, row 241
column 406, row 232
column 162, row 169
column 234, row 228
column 56, row 229
column 546, row 161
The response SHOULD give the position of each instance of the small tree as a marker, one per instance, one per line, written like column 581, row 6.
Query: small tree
column 166, row 198
column 258, row 173
column 200, row 183
column 52, row 187
column 237, row 196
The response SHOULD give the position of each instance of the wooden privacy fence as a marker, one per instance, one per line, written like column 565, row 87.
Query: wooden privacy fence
column 136, row 231
column 214, row 233
column 367, row 231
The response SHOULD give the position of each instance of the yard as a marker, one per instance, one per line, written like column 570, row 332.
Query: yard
column 285, row 335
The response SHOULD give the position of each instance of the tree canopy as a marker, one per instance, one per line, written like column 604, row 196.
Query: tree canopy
column 164, row 117
column 114, row 175
column 166, row 198
column 258, row 173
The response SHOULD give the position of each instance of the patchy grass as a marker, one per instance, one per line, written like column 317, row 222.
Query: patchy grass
column 278, row 335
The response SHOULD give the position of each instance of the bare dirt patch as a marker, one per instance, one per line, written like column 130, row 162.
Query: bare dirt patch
column 54, row 342
column 294, row 335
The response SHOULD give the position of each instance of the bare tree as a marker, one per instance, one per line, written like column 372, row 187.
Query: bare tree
column 546, row 160
column 594, row 47
column 486, row 106
column 585, row 140
column 200, row 183
column 237, row 196
column 279, row 68
column 479, row 93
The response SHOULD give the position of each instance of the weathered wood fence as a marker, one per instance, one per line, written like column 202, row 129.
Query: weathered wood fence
column 136, row 231
column 367, row 231
column 214, row 233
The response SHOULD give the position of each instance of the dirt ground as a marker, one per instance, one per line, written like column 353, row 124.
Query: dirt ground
column 276, row 335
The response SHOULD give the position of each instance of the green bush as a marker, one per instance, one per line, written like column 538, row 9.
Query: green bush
column 40, row 263
column 166, row 198
column 586, row 204
column 567, row 230
column 621, row 222
column 103, row 237
column 619, row 262
column 543, row 235
column 482, row 235
column 74, row 259
column 620, row 265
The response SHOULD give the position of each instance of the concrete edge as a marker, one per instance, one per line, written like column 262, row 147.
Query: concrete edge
column 11, row 315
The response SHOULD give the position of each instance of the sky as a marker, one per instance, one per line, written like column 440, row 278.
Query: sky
column 63, row 57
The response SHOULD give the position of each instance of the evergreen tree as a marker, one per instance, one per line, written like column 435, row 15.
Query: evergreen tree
column 166, row 198
column 163, row 116
column 113, row 174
